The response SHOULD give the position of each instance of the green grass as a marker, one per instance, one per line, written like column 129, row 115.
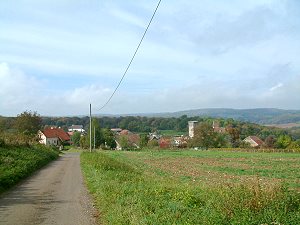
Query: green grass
column 18, row 162
column 174, row 187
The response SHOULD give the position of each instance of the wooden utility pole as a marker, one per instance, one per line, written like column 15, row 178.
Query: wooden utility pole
column 90, row 127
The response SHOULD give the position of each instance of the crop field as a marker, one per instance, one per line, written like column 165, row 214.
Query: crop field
column 194, row 187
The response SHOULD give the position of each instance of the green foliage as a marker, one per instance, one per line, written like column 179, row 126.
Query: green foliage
column 17, row 139
column 270, row 141
column 76, row 139
column 294, row 145
column 2, row 142
column 97, row 135
column 205, row 136
column 17, row 163
column 84, row 142
column 124, row 142
column 283, row 141
column 153, row 143
column 143, row 140
column 28, row 123
column 178, row 125
column 109, row 139
column 234, row 135
column 127, row 192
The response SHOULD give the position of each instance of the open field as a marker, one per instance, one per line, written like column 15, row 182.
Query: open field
column 172, row 132
column 194, row 187
column 285, row 125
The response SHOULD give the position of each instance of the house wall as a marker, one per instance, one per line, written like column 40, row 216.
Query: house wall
column 52, row 141
column 79, row 130
column 42, row 138
column 48, row 141
column 251, row 142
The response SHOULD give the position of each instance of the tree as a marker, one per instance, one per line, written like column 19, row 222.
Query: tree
column 28, row 123
column 294, row 145
column 205, row 136
column 153, row 143
column 143, row 140
column 109, row 138
column 84, row 142
column 270, row 141
column 124, row 142
column 234, row 134
column 283, row 141
column 76, row 138
column 97, row 133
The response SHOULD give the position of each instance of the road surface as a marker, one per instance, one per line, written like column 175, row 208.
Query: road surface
column 54, row 195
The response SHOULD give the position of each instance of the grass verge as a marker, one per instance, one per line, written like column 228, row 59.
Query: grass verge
column 130, row 192
column 18, row 162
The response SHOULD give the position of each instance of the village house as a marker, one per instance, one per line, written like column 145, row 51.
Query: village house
column 154, row 136
column 132, row 139
column 53, row 136
column 116, row 130
column 254, row 141
column 217, row 128
column 180, row 141
column 78, row 128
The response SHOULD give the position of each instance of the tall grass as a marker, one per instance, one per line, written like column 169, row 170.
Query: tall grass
column 126, row 193
column 18, row 162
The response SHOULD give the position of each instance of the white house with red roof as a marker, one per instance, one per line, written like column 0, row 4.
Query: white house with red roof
column 53, row 136
column 78, row 128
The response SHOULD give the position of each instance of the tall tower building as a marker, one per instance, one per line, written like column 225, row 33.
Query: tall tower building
column 192, row 125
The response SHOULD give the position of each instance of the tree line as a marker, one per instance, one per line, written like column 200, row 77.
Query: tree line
column 28, row 123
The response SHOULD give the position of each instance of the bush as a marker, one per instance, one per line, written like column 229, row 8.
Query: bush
column 2, row 142
column 18, row 162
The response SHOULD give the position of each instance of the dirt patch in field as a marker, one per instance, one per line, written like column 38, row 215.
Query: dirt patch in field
column 202, row 169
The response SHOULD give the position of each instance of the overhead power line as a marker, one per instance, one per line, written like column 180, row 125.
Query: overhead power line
column 132, row 58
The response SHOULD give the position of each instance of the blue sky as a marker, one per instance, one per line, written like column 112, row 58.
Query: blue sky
column 58, row 56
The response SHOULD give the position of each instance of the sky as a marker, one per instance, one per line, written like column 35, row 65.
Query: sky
column 56, row 57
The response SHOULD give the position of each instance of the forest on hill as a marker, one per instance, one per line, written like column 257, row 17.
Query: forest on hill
column 140, row 124
column 259, row 115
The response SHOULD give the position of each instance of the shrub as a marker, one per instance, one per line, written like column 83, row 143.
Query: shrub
column 18, row 162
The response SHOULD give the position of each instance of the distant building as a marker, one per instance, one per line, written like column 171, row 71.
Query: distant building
column 180, row 141
column 78, row 128
column 254, row 141
column 192, row 125
column 154, row 136
column 217, row 128
column 133, row 139
column 116, row 130
column 53, row 136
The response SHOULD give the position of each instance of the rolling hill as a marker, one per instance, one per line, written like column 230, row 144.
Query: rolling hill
column 259, row 115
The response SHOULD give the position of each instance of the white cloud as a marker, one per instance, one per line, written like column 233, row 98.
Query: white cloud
column 279, row 85
column 17, row 91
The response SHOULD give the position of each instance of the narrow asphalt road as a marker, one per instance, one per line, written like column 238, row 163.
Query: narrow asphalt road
column 54, row 195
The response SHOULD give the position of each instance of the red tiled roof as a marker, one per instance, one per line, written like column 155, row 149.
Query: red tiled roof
column 56, row 133
column 257, row 140
column 124, row 132
column 134, row 138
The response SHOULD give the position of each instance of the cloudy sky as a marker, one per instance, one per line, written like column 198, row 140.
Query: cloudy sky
column 56, row 57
